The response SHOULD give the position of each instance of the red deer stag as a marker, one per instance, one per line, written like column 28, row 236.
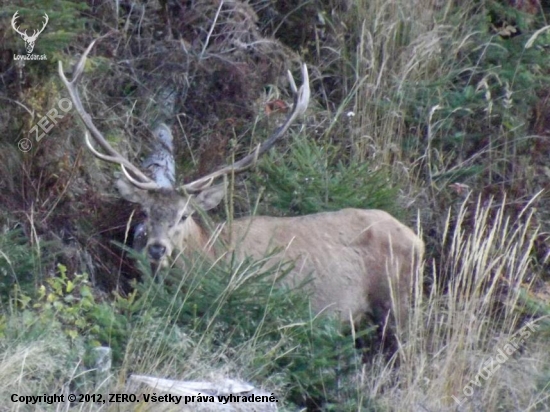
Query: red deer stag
column 361, row 261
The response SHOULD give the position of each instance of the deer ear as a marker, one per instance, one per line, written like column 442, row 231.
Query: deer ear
column 210, row 197
column 131, row 193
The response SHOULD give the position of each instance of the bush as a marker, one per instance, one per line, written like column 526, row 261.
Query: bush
column 238, row 312
column 20, row 263
column 309, row 177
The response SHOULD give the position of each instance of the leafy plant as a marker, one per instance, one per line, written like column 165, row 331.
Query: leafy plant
column 70, row 304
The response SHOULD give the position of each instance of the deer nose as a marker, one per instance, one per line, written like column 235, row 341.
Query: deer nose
column 156, row 251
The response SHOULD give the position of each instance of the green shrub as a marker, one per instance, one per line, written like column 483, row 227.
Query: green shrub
column 68, row 304
column 237, row 308
column 310, row 178
column 20, row 263
column 480, row 109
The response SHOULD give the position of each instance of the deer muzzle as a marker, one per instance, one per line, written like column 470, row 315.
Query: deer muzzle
column 156, row 251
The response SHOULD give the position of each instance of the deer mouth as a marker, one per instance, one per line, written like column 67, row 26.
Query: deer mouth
column 159, row 264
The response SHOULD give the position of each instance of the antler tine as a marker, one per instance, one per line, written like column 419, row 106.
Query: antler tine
column 14, row 22
column 47, row 19
column 301, row 101
column 35, row 32
column 151, row 185
column 112, row 155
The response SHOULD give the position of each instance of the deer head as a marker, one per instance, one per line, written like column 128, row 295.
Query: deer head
column 169, row 209
column 29, row 40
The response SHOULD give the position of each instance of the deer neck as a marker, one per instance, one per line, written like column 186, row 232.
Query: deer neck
column 193, row 236
column 197, row 237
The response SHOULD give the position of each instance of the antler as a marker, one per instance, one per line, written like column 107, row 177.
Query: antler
column 13, row 22
column 43, row 26
column 141, row 180
column 301, row 101
column 24, row 34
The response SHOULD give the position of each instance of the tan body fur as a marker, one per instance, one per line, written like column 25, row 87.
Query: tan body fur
column 351, row 256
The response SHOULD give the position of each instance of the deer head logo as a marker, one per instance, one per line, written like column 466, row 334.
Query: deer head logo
column 29, row 40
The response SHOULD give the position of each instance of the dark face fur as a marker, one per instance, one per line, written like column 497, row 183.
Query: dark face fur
column 167, row 212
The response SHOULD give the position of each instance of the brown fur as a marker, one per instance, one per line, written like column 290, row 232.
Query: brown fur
column 360, row 261
column 352, row 256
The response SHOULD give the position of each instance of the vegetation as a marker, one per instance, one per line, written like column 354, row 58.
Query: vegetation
column 433, row 111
